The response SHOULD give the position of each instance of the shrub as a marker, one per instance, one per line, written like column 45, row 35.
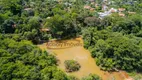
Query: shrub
column 91, row 77
column 72, row 65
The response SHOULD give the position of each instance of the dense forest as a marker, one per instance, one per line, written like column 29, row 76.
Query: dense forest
column 111, row 30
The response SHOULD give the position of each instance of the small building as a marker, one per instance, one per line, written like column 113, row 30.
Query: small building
column 121, row 9
column 102, row 15
column 93, row 3
column 14, row 26
column 112, row 10
column 27, row 9
column 45, row 30
column 87, row 7
column 121, row 14
column 92, row 9
column 131, row 12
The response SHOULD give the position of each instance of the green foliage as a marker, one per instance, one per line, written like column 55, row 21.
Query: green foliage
column 52, row 73
column 72, row 65
column 14, row 6
column 73, row 78
column 91, row 77
column 114, row 51
column 22, row 16
column 8, row 26
column 114, row 41
column 63, row 26
column 22, row 60
column 130, row 25
column 92, row 21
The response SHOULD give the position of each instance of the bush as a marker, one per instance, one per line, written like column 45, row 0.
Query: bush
column 73, row 78
column 92, row 77
column 72, row 65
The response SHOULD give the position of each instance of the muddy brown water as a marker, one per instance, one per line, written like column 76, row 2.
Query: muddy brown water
column 73, row 50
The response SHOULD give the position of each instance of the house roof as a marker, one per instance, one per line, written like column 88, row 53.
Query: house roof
column 112, row 10
column 121, row 9
column 87, row 7
column 28, row 9
column 92, row 9
column 121, row 14
column 45, row 29
column 132, row 12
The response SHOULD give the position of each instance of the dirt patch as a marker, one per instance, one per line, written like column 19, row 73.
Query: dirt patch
column 81, row 55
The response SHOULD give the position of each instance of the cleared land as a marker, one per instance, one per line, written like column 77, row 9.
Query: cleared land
column 80, row 54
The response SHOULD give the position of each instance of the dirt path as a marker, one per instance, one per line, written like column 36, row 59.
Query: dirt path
column 78, row 53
